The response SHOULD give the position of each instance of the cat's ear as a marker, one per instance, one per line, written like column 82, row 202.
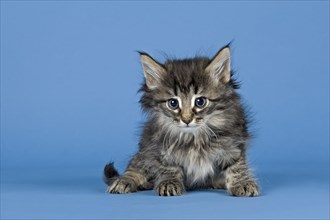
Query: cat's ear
column 153, row 71
column 219, row 67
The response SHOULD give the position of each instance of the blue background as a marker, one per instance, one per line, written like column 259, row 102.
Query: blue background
column 69, row 103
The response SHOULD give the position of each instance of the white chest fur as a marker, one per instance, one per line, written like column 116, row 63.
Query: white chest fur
column 197, row 165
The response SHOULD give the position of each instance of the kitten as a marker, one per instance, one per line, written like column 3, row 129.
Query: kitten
column 196, row 134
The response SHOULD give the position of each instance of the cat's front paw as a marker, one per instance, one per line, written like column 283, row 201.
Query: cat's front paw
column 170, row 188
column 122, row 185
column 248, row 188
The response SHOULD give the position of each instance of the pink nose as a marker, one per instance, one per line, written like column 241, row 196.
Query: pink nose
column 186, row 120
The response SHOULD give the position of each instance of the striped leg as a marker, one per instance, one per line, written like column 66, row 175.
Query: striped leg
column 239, row 181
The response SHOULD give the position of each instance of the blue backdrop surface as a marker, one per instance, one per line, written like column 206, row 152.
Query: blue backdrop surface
column 69, row 103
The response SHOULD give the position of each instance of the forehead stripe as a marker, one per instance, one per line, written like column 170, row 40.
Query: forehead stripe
column 175, row 88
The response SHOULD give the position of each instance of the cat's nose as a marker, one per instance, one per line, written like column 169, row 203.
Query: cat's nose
column 186, row 120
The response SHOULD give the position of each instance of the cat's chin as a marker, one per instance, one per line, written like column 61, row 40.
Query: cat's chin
column 188, row 129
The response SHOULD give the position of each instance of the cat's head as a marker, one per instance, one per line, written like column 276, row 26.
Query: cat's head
column 188, row 95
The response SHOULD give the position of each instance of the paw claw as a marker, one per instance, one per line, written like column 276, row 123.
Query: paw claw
column 249, row 188
column 170, row 188
column 122, row 185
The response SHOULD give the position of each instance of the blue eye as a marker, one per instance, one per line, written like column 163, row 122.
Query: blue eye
column 173, row 104
column 200, row 102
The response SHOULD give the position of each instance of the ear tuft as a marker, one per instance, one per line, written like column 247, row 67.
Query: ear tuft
column 219, row 67
column 153, row 71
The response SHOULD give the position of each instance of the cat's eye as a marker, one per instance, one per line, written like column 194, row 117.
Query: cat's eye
column 173, row 104
column 200, row 102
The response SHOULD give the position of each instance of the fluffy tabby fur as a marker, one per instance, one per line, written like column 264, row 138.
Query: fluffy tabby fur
column 186, row 145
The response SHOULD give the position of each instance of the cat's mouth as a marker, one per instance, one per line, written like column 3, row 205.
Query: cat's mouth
column 188, row 128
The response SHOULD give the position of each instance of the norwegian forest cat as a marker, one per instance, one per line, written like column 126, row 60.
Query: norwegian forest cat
column 197, row 130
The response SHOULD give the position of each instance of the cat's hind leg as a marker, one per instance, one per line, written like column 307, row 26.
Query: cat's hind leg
column 218, row 182
column 131, row 181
